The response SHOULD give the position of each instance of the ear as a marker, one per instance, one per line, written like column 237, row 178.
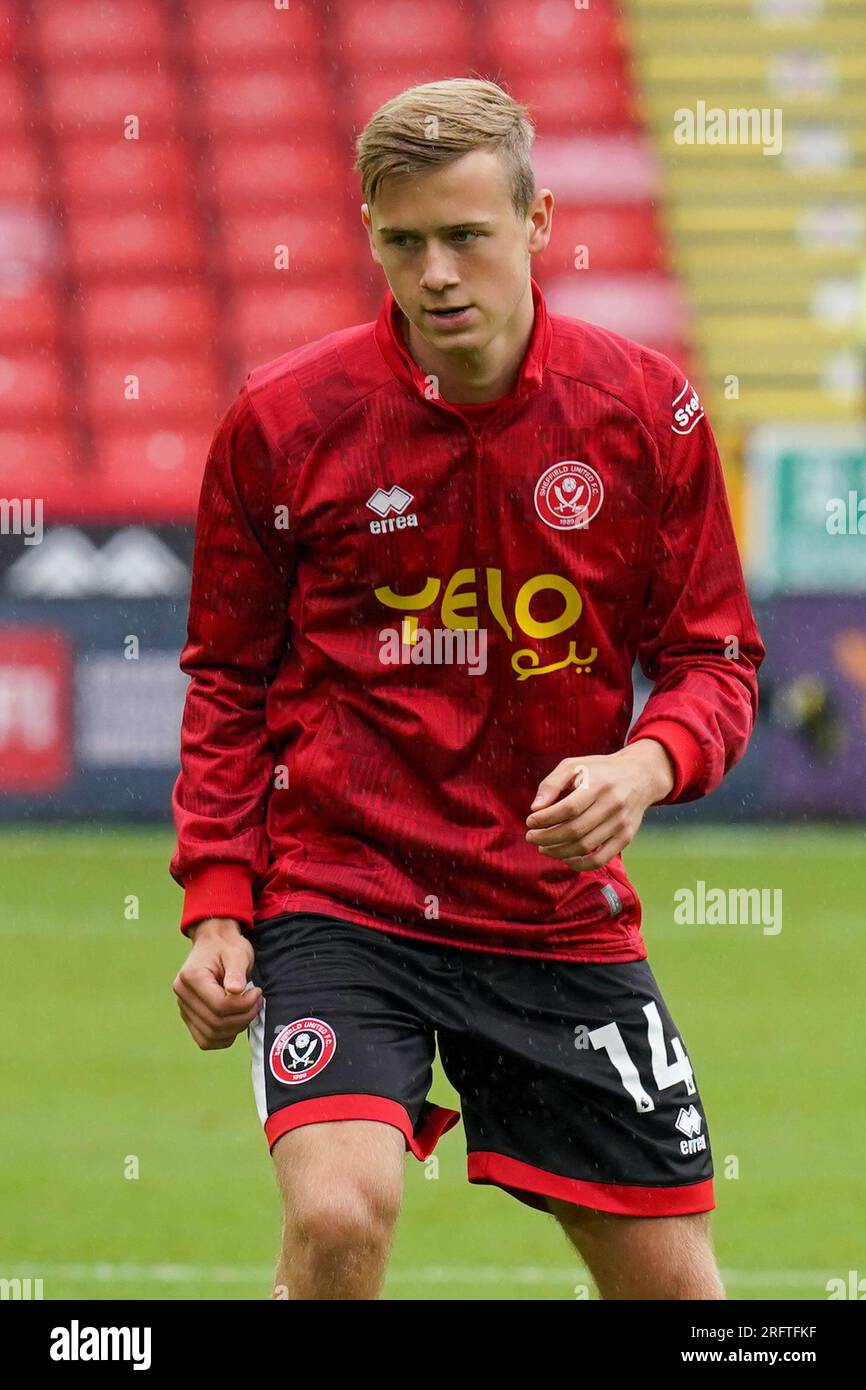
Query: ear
column 368, row 226
column 539, row 216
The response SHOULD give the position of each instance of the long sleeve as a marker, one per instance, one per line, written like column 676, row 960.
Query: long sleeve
column 237, row 633
column 699, row 644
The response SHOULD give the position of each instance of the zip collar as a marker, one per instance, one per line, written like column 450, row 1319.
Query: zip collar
column 389, row 338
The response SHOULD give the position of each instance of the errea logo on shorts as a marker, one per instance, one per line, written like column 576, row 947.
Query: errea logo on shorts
column 396, row 500
column 690, row 1123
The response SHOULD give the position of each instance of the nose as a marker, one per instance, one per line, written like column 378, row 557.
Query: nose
column 439, row 270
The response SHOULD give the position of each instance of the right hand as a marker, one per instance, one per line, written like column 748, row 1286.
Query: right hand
column 213, row 995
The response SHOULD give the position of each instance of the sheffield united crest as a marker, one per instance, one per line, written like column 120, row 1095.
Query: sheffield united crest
column 301, row 1050
column 568, row 495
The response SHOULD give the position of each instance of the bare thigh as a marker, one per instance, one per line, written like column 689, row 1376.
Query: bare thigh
column 637, row 1257
column 340, row 1159
column 341, row 1183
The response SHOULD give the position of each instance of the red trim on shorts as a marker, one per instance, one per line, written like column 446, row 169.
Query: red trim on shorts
column 434, row 1120
column 511, row 1174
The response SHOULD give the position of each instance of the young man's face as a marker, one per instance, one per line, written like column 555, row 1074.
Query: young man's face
column 451, row 239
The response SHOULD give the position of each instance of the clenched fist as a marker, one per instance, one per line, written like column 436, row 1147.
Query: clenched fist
column 216, row 1001
column 588, row 809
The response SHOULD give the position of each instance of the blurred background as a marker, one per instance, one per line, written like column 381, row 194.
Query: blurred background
column 177, row 205
column 160, row 158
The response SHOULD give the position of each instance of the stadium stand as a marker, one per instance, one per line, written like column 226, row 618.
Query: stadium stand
column 769, row 246
column 160, row 156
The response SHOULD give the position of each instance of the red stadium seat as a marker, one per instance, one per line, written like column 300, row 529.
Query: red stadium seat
column 622, row 237
column 46, row 458
column 115, row 172
column 30, row 241
column 144, row 242
column 233, row 32
column 82, row 99
column 649, row 308
column 22, row 174
column 274, row 100
column 30, row 313
column 318, row 244
column 10, row 27
column 115, row 31
column 181, row 389
column 157, row 317
column 14, row 102
column 249, row 173
column 149, row 474
column 597, row 168
column 367, row 91
column 267, row 320
column 397, row 32
column 595, row 100
column 32, row 387
column 538, row 34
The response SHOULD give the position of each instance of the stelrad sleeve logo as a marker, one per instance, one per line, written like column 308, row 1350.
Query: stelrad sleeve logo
column 568, row 495
column 687, row 410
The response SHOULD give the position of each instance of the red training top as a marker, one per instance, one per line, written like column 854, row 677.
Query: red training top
column 404, row 614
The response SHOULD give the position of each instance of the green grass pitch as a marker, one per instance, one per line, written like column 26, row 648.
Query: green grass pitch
column 97, row 1068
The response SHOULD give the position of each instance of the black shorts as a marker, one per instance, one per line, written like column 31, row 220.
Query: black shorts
column 572, row 1079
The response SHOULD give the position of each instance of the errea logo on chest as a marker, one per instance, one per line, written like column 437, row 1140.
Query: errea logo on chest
column 395, row 501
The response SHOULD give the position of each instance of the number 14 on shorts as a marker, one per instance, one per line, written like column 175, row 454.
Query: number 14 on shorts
column 665, row 1073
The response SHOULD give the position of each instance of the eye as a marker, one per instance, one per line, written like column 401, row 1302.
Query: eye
column 464, row 234
column 402, row 240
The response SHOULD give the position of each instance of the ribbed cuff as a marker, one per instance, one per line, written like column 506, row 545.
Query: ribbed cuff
column 684, row 750
column 218, row 890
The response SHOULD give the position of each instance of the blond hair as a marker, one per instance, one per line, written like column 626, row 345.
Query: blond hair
column 440, row 121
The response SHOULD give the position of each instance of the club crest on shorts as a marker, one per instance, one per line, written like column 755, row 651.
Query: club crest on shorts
column 568, row 495
column 301, row 1050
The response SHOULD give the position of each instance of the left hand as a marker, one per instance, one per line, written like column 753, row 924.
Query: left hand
column 591, row 808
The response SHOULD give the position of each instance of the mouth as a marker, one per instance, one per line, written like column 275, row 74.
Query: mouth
column 457, row 316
